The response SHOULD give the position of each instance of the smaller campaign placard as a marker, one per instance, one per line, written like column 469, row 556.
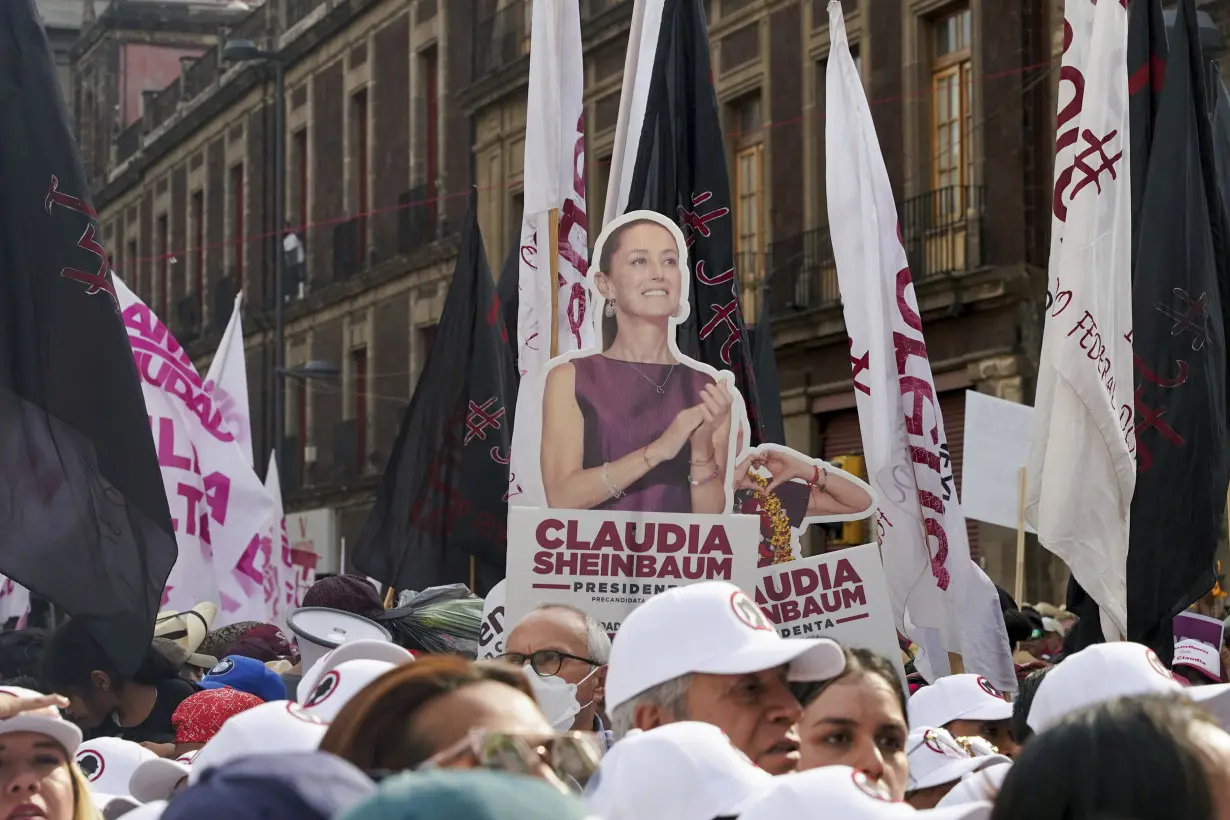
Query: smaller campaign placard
column 608, row 562
column 841, row 595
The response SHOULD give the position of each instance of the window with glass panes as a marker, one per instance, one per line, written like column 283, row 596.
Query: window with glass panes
column 748, row 136
column 952, row 107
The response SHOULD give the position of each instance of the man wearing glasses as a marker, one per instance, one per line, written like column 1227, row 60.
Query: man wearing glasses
column 564, row 653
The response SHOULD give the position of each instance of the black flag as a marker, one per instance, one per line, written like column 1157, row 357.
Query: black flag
column 1146, row 57
column 680, row 171
column 84, row 520
column 444, row 494
column 1146, row 66
column 1178, row 312
column 764, row 357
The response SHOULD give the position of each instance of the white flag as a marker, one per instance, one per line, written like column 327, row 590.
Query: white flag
column 14, row 602
column 554, row 181
column 936, row 591
column 1082, row 469
column 227, row 381
column 217, row 502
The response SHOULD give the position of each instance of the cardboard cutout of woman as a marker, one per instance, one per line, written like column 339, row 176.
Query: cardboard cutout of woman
column 636, row 425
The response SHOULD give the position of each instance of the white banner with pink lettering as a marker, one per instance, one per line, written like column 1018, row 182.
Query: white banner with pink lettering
column 217, row 502
column 1082, row 469
column 841, row 595
column 227, row 381
column 554, row 182
column 936, row 595
column 608, row 562
column 14, row 602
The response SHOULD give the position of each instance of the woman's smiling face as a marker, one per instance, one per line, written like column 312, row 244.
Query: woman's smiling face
column 644, row 279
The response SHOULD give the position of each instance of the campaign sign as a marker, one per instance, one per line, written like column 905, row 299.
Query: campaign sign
column 491, row 631
column 609, row 562
column 841, row 595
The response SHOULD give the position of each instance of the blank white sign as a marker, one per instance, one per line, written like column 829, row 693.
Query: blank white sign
column 997, row 436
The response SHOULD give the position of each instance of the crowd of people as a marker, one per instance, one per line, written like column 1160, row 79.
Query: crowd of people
column 698, row 711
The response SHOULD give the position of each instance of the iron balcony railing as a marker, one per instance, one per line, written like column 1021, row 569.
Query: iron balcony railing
column 941, row 231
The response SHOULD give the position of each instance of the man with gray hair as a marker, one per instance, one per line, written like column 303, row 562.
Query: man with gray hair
column 706, row 653
column 564, row 652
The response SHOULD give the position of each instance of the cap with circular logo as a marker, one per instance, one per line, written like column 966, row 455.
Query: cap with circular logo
column 1200, row 656
column 108, row 764
column 275, row 728
column 157, row 779
column 640, row 776
column 357, row 650
column 339, row 685
column 46, row 721
column 936, row 758
column 957, row 697
column 247, row 675
column 711, row 627
column 849, row 794
column 1119, row 669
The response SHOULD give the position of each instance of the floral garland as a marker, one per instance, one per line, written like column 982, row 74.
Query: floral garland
column 779, row 522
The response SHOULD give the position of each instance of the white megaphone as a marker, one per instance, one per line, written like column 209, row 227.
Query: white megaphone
column 319, row 630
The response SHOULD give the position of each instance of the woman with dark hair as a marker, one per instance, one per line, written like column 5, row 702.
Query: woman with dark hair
column 1026, row 690
column 1150, row 758
column 633, row 427
column 415, row 711
column 857, row 719
column 106, row 703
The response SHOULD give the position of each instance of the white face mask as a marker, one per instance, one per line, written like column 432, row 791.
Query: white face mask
column 557, row 698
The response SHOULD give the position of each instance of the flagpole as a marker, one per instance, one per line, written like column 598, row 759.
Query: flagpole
column 553, row 255
column 1019, row 586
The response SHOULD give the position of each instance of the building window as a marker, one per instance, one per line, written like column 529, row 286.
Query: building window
column 237, row 237
column 748, row 139
column 430, row 72
column 299, row 183
column 952, row 117
column 427, row 341
column 358, row 376
column 132, row 266
column 198, row 251
column 162, row 289
column 358, row 132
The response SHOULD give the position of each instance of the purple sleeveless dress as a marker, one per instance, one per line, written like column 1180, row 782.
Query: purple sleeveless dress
column 623, row 412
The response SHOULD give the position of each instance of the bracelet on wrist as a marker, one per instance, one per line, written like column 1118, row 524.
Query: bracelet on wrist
column 704, row 461
column 696, row 482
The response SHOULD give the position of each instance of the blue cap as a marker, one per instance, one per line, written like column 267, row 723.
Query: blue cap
column 300, row 786
column 247, row 675
column 466, row 794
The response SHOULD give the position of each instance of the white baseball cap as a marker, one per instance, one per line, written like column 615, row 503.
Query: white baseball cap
column 271, row 728
column 108, row 764
column 46, row 721
column 849, row 794
column 113, row 806
column 957, row 697
column 936, row 758
column 156, row 779
column 361, row 650
column 148, row 811
column 338, row 685
column 681, row 771
column 977, row 787
column 1106, row 671
column 725, row 633
column 1203, row 657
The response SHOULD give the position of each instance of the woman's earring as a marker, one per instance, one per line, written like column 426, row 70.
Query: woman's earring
column 677, row 311
column 610, row 307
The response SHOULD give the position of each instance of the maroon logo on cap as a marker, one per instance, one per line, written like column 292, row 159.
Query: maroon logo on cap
column 91, row 764
column 1157, row 664
column 296, row 711
column 932, row 741
column 872, row 788
column 327, row 686
column 988, row 687
column 747, row 611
